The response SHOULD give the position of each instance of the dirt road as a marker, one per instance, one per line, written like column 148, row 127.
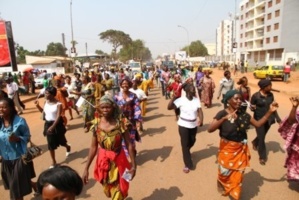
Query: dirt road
column 159, row 174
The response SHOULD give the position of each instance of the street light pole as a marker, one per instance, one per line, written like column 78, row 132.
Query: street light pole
column 71, row 13
column 187, row 37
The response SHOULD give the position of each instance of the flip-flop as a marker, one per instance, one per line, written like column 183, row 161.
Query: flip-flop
column 186, row 170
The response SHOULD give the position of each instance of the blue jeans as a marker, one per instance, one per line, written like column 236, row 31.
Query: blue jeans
column 286, row 77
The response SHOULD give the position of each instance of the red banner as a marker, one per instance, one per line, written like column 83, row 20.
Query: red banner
column 4, row 48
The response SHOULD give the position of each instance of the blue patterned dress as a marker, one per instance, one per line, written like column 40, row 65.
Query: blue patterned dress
column 131, row 110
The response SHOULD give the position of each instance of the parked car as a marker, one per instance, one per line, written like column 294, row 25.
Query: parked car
column 40, row 78
column 269, row 72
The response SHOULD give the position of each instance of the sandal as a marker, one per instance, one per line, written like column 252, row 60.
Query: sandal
column 254, row 147
column 186, row 170
column 262, row 162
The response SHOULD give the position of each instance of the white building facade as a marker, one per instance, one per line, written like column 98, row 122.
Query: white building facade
column 224, row 40
column 268, row 31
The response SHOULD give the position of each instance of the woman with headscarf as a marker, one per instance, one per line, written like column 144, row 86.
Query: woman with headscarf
column 143, row 85
column 226, row 84
column 87, row 92
column 289, row 130
column 130, row 107
column 190, row 118
column 175, row 91
column 233, row 154
column 54, row 130
column 109, row 130
column 260, row 103
column 208, row 88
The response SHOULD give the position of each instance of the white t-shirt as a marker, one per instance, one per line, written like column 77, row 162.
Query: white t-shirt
column 139, row 93
column 11, row 88
column 50, row 111
column 188, row 111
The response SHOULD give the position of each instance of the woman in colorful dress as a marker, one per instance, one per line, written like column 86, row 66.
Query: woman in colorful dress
column 88, row 109
column 290, row 132
column 110, row 129
column 233, row 154
column 130, row 107
column 208, row 88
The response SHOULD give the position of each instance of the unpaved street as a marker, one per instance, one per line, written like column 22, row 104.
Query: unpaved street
column 159, row 174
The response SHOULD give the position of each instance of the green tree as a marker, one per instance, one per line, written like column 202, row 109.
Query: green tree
column 196, row 48
column 99, row 52
column 136, row 50
column 116, row 38
column 21, row 54
column 55, row 49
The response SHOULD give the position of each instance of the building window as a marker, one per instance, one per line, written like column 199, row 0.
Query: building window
column 269, row 4
column 245, row 44
column 241, row 26
column 276, row 26
column 241, row 35
column 269, row 16
column 245, row 34
column 246, row 15
column 242, row 7
column 241, row 44
column 275, row 39
column 247, row 5
column 277, row 13
column 241, row 17
column 267, row 40
column 278, row 1
column 269, row 28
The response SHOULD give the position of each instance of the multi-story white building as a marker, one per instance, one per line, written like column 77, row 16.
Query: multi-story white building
column 224, row 39
column 268, row 31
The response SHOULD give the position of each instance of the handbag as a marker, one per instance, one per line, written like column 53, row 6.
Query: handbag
column 32, row 152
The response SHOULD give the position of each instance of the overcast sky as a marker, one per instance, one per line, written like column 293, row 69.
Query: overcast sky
column 36, row 23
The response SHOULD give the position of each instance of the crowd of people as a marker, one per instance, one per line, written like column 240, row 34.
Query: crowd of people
column 112, row 102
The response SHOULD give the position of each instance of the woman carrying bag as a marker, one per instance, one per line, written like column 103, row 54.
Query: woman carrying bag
column 14, row 136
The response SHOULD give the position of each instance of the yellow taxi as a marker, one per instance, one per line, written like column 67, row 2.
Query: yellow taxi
column 269, row 72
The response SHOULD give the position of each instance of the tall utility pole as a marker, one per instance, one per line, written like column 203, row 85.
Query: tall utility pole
column 235, row 34
column 187, row 38
column 86, row 49
column 73, row 50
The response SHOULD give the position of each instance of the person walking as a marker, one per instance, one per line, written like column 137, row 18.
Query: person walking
column 110, row 129
column 198, row 75
column 233, row 154
column 245, row 92
column 260, row 103
column 54, row 130
column 286, row 72
column 226, row 84
column 14, row 136
column 289, row 131
column 208, row 88
column 191, row 116
column 130, row 107
column 12, row 91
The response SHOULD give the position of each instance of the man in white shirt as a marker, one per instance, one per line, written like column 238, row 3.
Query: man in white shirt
column 12, row 91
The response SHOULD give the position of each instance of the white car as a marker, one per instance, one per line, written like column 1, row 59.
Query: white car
column 40, row 78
